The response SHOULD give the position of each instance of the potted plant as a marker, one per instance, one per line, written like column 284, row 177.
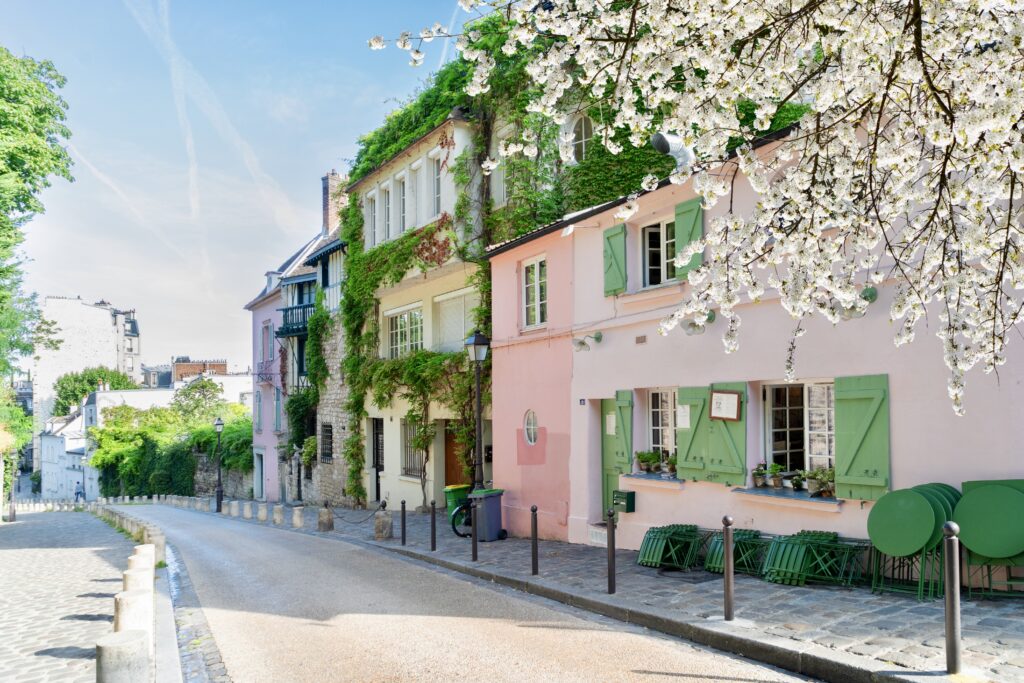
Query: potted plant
column 821, row 482
column 775, row 472
column 798, row 479
column 648, row 460
column 759, row 473
column 671, row 462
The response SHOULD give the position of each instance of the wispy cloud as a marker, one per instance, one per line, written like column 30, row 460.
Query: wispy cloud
column 198, row 90
column 180, row 105
column 451, row 24
column 138, row 214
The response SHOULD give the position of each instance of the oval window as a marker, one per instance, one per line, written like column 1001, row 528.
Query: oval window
column 530, row 427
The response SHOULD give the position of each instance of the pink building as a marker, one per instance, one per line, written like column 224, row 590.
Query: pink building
column 587, row 382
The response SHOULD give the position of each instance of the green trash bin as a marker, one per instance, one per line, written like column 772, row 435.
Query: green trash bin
column 454, row 496
column 488, row 503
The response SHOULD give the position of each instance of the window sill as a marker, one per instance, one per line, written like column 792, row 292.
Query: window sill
column 409, row 477
column 791, row 498
column 653, row 292
column 653, row 480
column 533, row 328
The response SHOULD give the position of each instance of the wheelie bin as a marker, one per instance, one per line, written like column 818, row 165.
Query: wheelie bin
column 488, row 503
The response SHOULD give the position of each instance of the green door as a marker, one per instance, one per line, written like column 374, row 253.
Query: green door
column 616, row 443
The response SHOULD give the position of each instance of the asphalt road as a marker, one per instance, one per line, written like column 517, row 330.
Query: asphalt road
column 286, row 606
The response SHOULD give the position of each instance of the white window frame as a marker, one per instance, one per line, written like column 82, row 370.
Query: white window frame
column 371, row 218
column 400, row 198
column 469, row 296
column 277, row 409
column 666, row 241
column 829, row 433
column 541, row 318
column 530, row 427
column 385, row 198
column 581, row 145
column 665, row 441
column 395, row 345
column 267, row 341
column 435, row 189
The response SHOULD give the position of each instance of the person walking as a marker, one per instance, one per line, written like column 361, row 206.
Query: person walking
column 79, row 492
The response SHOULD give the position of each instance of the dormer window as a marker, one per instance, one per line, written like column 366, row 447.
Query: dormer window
column 582, row 137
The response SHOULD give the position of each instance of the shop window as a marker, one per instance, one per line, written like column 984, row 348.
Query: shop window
column 800, row 425
column 659, row 250
column 530, row 427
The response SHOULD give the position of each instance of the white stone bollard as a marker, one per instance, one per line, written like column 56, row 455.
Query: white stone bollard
column 225, row 506
column 122, row 658
column 297, row 516
column 146, row 564
column 261, row 512
column 136, row 580
column 325, row 519
column 279, row 515
column 159, row 542
column 133, row 610
column 234, row 508
column 146, row 550
column 246, row 510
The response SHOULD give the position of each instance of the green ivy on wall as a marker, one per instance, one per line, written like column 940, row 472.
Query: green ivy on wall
column 318, row 329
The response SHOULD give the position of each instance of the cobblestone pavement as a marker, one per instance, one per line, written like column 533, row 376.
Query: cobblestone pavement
column 200, row 657
column 892, row 629
column 58, row 575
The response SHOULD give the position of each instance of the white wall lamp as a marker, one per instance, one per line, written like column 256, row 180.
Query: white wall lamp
column 868, row 294
column 673, row 145
column 582, row 345
column 693, row 328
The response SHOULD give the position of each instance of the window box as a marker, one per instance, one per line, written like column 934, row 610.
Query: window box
column 789, row 497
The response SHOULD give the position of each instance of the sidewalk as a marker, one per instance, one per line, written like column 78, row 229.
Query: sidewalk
column 832, row 633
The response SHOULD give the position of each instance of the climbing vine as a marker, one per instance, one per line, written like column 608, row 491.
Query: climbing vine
column 318, row 329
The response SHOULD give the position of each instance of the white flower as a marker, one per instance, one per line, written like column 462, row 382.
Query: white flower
column 488, row 165
column 628, row 209
column 377, row 43
column 415, row 58
column 650, row 183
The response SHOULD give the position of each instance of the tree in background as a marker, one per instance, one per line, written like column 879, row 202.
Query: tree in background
column 15, row 432
column 200, row 401
column 72, row 387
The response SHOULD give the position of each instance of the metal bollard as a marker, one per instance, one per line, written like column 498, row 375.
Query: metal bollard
column 473, row 520
column 433, row 526
column 403, row 521
column 728, row 573
column 611, row 551
column 533, row 540
column 952, row 580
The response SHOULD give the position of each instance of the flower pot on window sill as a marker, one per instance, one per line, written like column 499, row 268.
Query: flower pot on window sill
column 813, row 487
column 758, row 480
column 777, row 481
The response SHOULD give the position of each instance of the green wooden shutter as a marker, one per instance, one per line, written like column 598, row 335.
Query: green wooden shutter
column 727, row 442
column 615, row 260
column 624, row 415
column 689, row 227
column 692, row 443
column 862, row 436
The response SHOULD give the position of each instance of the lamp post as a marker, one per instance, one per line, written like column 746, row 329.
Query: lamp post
column 218, row 426
column 477, row 345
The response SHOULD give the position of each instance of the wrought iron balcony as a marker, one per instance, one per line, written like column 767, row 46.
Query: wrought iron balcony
column 295, row 319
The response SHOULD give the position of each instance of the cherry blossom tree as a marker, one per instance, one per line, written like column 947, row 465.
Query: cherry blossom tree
column 905, row 170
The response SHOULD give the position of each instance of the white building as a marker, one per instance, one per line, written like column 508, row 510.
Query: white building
column 91, row 334
column 62, row 460
column 97, row 401
column 237, row 386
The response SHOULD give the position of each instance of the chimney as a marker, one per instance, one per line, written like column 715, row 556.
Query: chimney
column 334, row 199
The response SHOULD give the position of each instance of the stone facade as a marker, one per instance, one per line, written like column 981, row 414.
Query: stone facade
column 236, row 484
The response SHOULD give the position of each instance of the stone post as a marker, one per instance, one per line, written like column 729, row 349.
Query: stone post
column 383, row 525
column 246, row 510
column 144, row 564
column 133, row 611
column 136, row 579
column 261, row 512
column 325, row 519
column 146, row 550
column 122, row 657
column 279, row 515
column 234, row 508
column 225, row 507
column 297, row 516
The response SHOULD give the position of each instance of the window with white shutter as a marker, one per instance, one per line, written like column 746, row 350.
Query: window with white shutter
column 456, row 321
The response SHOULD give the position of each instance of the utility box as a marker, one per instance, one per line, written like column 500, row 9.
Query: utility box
column 624, row 501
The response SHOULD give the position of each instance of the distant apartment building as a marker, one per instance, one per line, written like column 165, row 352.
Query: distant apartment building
column 91, row 334
column 183, row 367
column 157, row 376
column 62, row 459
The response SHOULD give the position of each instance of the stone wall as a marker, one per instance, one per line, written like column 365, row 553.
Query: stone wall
column 236, row 484
column 329, row 479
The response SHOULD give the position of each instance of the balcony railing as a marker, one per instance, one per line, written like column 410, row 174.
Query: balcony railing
column 265, row 371
column 332, row 297
column 295, row 319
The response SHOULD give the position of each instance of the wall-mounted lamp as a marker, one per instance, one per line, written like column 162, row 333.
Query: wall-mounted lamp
column 692, row 328
column 582, row 345
column 673, row 145
column 571, row 228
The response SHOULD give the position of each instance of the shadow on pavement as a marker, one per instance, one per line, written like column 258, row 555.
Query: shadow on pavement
column 67, row 652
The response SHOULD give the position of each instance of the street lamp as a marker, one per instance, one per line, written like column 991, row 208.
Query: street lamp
column 476, row 346
column 218, row 426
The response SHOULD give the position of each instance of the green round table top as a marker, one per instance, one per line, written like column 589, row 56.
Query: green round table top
column 990, row 521
column 901, row 523
column 951, row 490
column 941, row 508
column 949, row 498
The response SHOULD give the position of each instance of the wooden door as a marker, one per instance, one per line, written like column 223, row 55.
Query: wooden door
column 453, row 471
column 616, row 443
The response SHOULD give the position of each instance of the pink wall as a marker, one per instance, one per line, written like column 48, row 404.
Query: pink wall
column 266, row 438
column 532, row 370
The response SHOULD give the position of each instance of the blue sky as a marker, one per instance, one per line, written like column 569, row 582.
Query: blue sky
column 200, row 133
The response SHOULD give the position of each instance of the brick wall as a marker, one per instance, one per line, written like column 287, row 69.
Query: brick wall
column 195, row 367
